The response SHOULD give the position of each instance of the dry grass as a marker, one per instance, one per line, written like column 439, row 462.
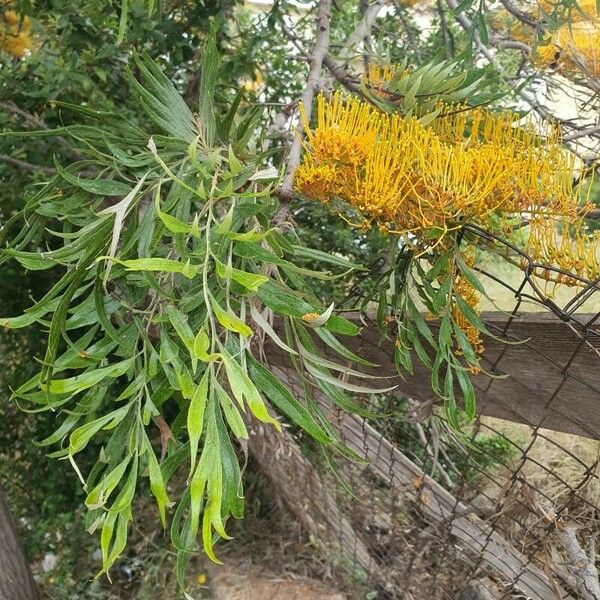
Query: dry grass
column 560, row 466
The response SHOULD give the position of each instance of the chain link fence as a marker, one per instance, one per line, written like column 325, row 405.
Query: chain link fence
column 508, row 508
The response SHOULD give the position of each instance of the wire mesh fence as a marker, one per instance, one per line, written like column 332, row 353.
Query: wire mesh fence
column 508, row 508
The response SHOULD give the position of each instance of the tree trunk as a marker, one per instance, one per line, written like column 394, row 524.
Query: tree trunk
column 16, row 582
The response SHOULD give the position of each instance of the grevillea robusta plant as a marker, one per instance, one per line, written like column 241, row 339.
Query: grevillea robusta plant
column 173, row 270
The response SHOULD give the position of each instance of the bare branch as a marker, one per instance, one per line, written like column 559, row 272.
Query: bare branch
column 510, row 44
column 26, row 166
column 38, row 123
column 285, row 192
column 337, row 71
column 447, row 34
column 586, row 131
column 30, row 118
column 519, row 14
column 467, row 25
column 341, row 76
column 363, row 28
column 580, row 565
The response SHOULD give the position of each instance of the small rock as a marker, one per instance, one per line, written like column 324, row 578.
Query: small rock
column 97, row 555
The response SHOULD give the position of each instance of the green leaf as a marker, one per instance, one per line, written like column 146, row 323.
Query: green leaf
column 123, row 21
column 125, row 497
column 202, row 345
column 163, row 265
column 161, row 101
column 266, row 327
column 468, row 393
column 243, row 388
column 445, row 335
column 351, row 387
column 281, row 397
column 336, row 345
column 100, row 494
column 100, row 187
column 209, row 66
column 173, row 224
column 284, row 302
column 319, row 256
column 224, row 124
column 18, row 322
column 254, row 251
column 74, row 385
column 82, row 435
column 250, row 281
column 185, row 381
column 470, row 276
column 195, row 417
column 232, row 414
column 157, row 483
column 229, row 320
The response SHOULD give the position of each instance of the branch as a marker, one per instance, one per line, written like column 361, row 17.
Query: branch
column 519, row 14
column 586, row 131
column 26, row 166
column 511, row 44
column 363, row 28
column 342, row 77
column 581, row 566
column 285, row 192
column 34, row 120
column 446, row 33
column 467, row 25
column 37, row 123
column 336, row 70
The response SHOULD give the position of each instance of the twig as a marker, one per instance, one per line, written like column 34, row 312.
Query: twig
column 285, row 192
column 26, row 166
column 519, row 14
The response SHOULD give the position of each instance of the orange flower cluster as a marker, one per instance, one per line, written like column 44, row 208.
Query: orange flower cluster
column 426, row 181
column 15, row 33
column 575, row 46
column 569, row 248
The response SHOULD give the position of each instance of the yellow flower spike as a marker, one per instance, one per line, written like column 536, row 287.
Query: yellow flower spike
column 465, row 166
column 15, row 33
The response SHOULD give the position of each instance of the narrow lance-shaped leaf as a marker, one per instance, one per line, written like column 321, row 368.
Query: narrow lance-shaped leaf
column 243, row 389
column 157, row 484
column 195, row 416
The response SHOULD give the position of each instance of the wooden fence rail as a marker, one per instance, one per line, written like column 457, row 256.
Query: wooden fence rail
column 551, row 379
